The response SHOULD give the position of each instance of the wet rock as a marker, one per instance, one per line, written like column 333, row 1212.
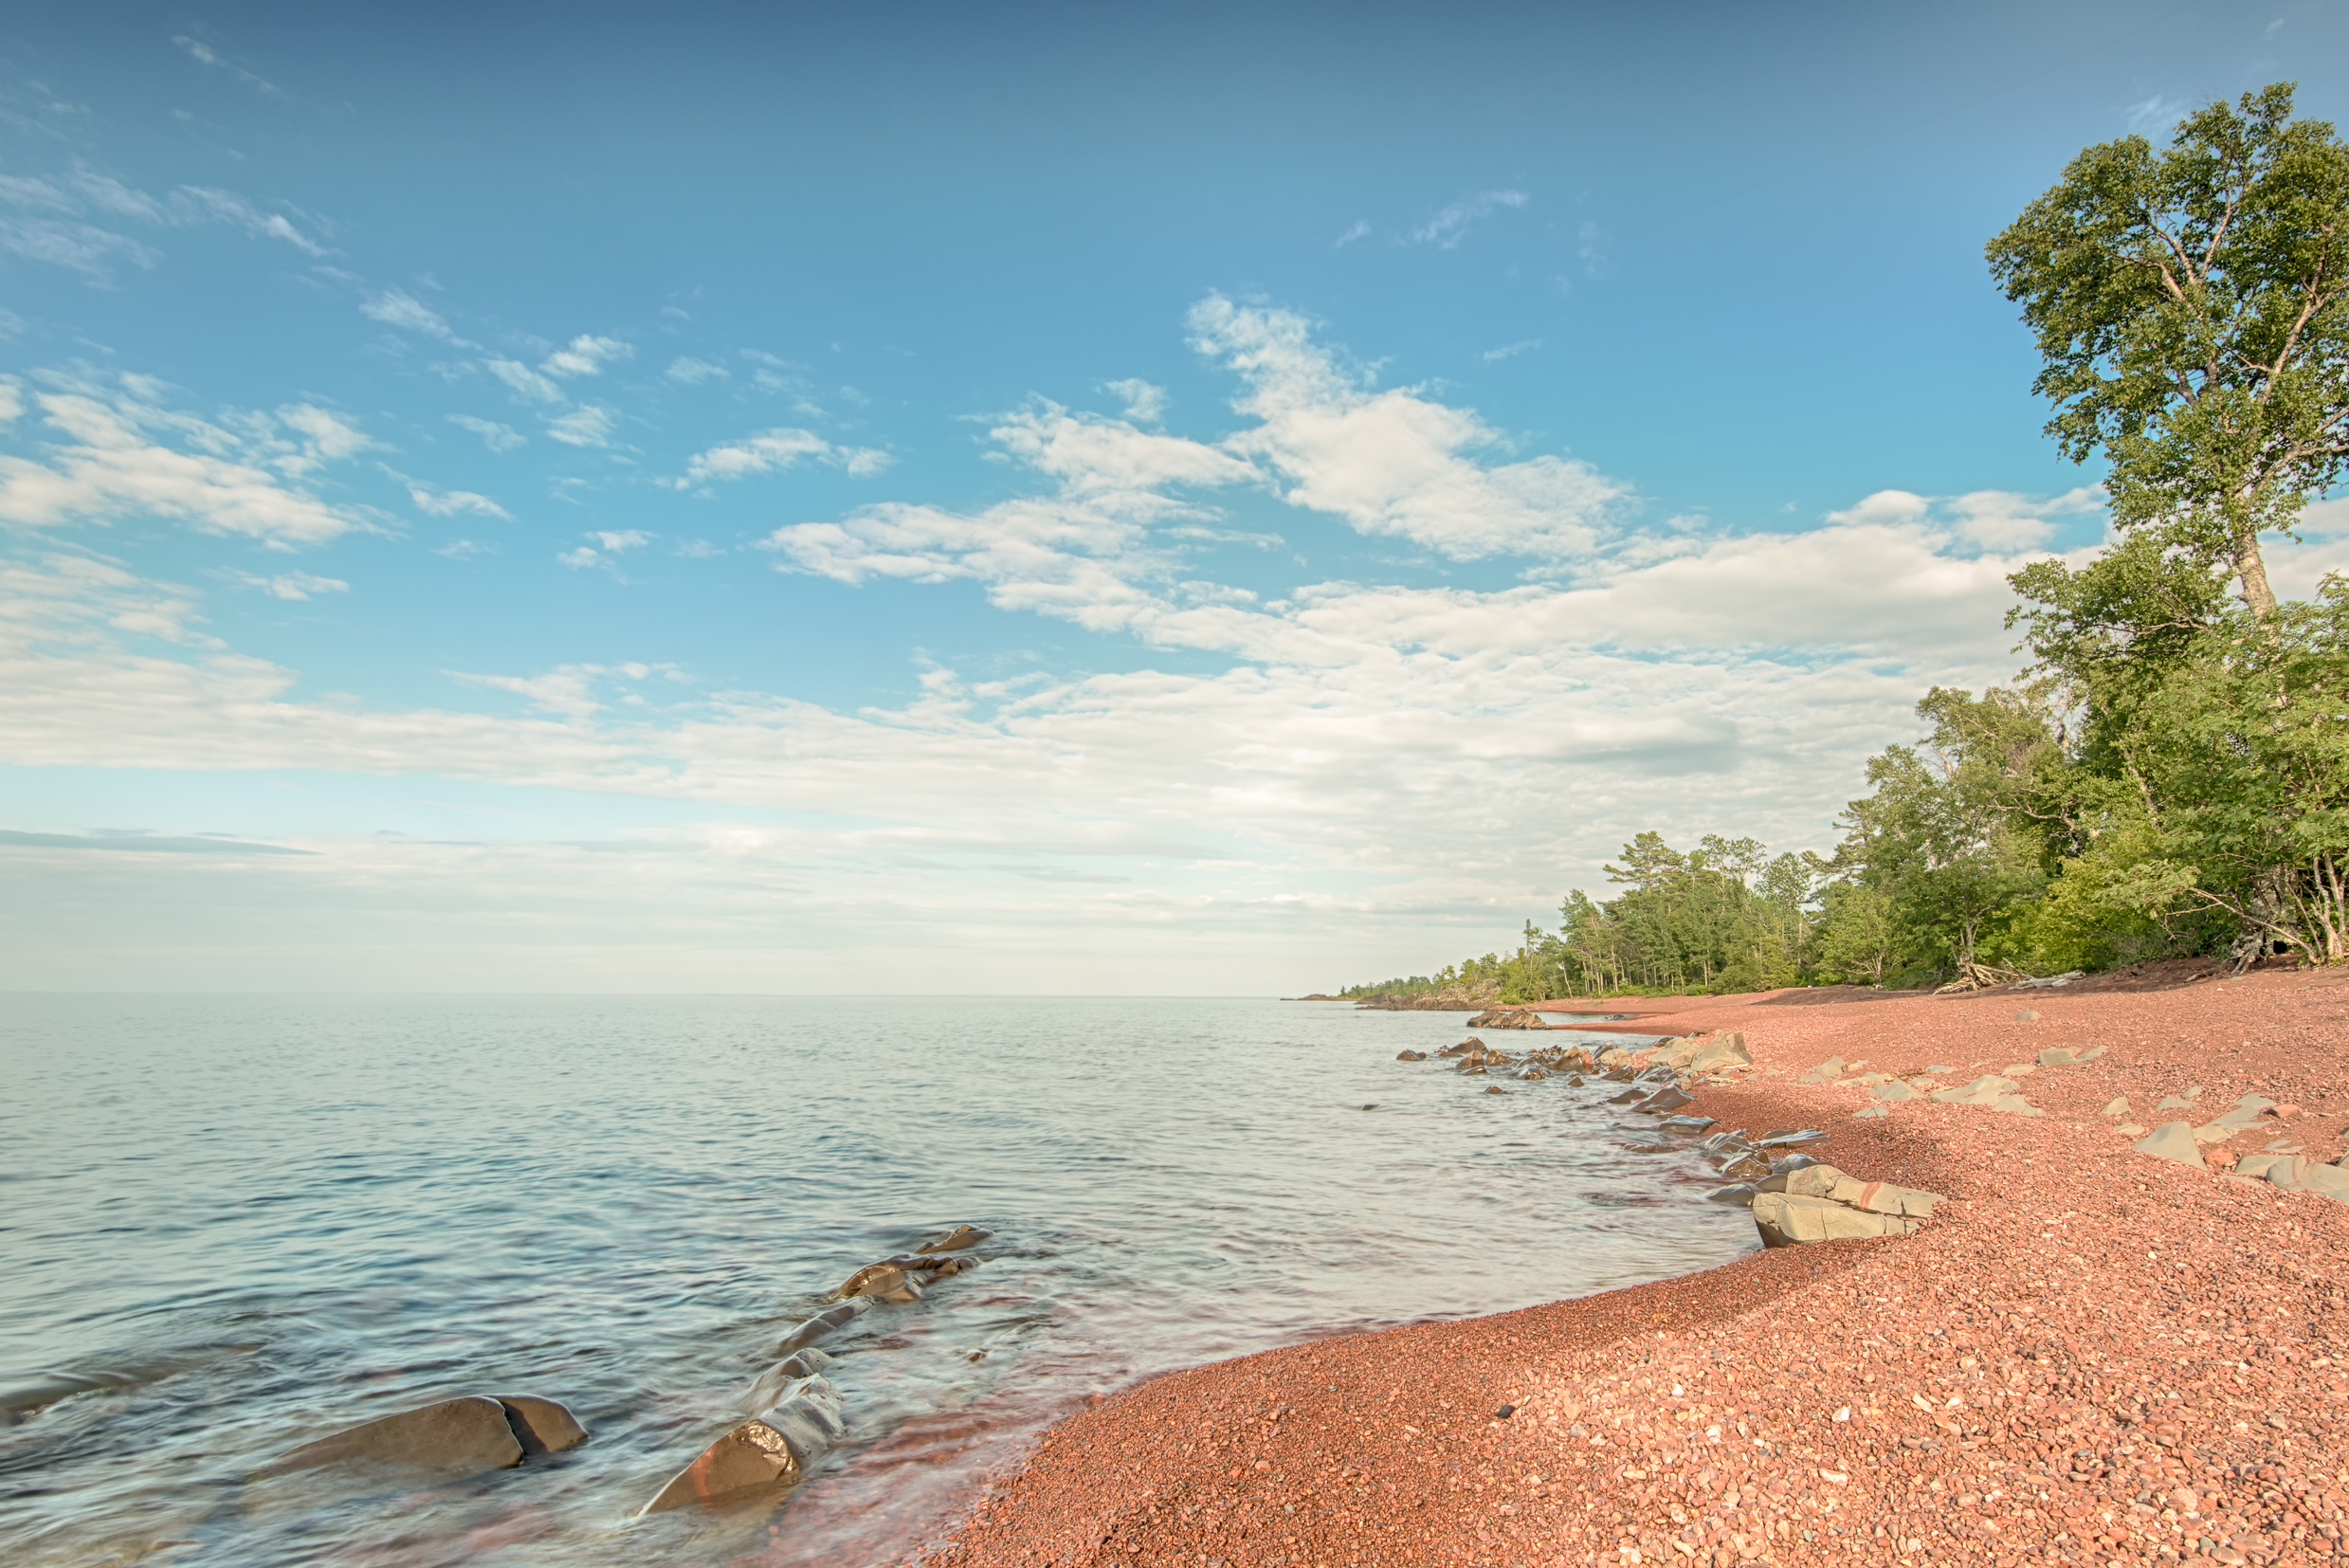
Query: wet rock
column 1411, row 1055
column 1626, row 1097
column 1684, row 1123
column 1789, row 1164
column 1665, row 1100
column 960, row 1237
column 823, row 1324
column 775, row 1384
column 883, row 1282
column 1495, row 1088
column 1531, row 1071
column 1746, row 1166
column 1508, row 1017
column 1575, row 1082
column 541, row 1426
column 1788, row 1138
column 457, row 1436
column 1737, row 1192
column 2173, row 1140
column 1894, row 1090
column 761, row 1458
column 1787, row 1220
column 2120, row 1106
column 2064, row 1056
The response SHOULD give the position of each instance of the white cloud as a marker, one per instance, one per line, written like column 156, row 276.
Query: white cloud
column 107, row 471
column 294, row 585
column 586, row 356
column 585, row 426
column 203, row 54
column 496, row 437
column 1357, row 229
column 12, row 399
column 228, row 207
column 692, row 372
column 449, row 503
column 1396, row 462
column 1989, row 520
column 772, row 452
column 397, row 307
column 81, row 248
column 1144, row 403
column 608, row 543
column 616, row 540
column 525, row 380
column 1510, row 350
column 53, row 229
column 1450, row 225
column 569, row 689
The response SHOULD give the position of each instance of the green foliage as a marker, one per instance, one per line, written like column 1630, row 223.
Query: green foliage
column 2192, row 311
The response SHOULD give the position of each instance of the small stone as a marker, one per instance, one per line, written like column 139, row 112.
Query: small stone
column 2119, row 1107
column 1371, row 1107
column 1504, row 1412
column 2026, row 1016
column 1894, row 1090
column 2014, row 1104
column 1411, row 1055
column 955, row 1240
column 2018, row 1069
column 1495, row 1088
column 1871, row 1112
column 2173, row 1140
column 1831, row 1067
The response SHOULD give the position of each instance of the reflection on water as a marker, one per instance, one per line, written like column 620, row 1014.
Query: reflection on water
column 235, row 1224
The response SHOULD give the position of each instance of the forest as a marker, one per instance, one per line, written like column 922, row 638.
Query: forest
column 2169, row 773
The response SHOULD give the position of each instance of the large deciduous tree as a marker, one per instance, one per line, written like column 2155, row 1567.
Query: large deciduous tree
column 2192, row 310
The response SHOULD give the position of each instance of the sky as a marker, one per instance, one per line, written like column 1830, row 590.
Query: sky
column 1102, row 499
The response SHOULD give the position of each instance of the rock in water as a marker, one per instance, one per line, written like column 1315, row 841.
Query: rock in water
column 775, row 1384
column 883, row 1282
column 1663, row 1100
column 457, row 1436
column 543, row 1426
column 1411, row 1055
column 823, row 1324
column 955, row 1240
column 761, row 1458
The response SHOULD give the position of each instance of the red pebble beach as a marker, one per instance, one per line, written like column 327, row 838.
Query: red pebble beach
column 2088, row 1355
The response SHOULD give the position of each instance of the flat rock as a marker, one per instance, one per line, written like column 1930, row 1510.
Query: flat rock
column 2120, row 1106
column 1665, row 1100
column 823, row 1324
column 2064, row 1056
column 2173, row 1140
column 1831, row 1067
column 1737, row 1192
column 1870, row 1112
column 2014, row 1104
column 1984, row 1090
column 1894, row 1090
column 543, row 1426
column 457, row 1436
column 1787, row 1220
column 2176, row 1102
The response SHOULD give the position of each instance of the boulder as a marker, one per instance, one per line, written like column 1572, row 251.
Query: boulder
column 1786, row 1220
column 775, row 1384
column 1508, row 1017
column 2065, row 1056
column 961, row 1236
column 759, row 1458
column 823, row 1324
column 2173, row 1140
column 1725, row 1049
column 456, row 1437
column 1615, row 1056
column 541, row 1426
column 1883, row 1198
column 1411, row 1055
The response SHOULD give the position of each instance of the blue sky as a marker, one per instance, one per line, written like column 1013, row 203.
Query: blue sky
column 1026, row 499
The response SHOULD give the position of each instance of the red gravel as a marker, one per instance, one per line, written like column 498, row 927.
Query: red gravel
column 2093, row 1356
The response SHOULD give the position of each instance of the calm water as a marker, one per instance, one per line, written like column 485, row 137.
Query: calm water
column 252, row 1221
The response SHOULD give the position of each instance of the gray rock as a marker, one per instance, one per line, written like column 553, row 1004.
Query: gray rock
column 457, row 1436
column 1665, row 1100
column 1684, row 1123
column 2173, row 1140
column 1831, row 1067
column 2120, row 1106
column 1870, row 1112
column 2014, row 1104
column 541, row 1426
column 1726, row 1050
column 774, row 1385
column 1745, row 1165
column 2065, row 1056
column 1788, row 1138
column 1738, row 1191
column 2026, row 1016
column 1894, row 1090
column 1984, row 1090
column 823, row 1324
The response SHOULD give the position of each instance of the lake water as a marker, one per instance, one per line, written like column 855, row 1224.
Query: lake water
column 245, row 1222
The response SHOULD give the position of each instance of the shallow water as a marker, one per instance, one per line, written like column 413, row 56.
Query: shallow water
column 239, row 1223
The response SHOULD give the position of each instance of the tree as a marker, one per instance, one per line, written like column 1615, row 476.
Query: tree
column 2192, row 310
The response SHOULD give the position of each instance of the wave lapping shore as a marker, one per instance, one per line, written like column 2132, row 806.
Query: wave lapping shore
column 2090, row 1355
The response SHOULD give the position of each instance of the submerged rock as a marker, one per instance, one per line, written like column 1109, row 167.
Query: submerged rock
column 761, row 1458
column 774, row 1385
column 885, row 1282
column 955, row 1240
column 823, row 1324
column 457, row 1436
column 1411, row 1055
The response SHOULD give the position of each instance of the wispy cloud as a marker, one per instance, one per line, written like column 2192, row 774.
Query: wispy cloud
column 203, row 54
column 609, row 543
column 691, row 372
column 1450, row 225
column 447, row 503
column 398, row 308
column 586, row 425
column 496, row 437
column 1143, row 402
column 294, row 585
column 50, row 219
column 586, row 356
column 525, row 380
column 1358, row 230
column 1510, row 350
column 772, row 452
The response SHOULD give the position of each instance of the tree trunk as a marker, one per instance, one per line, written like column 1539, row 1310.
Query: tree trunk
column 2257, row 596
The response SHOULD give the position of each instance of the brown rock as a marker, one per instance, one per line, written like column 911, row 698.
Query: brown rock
column 883, row 1282
column 541, row 1426
column 459, row 1437
column 955, row 1240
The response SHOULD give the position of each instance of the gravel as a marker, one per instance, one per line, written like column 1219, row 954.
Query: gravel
column 2088, row 1355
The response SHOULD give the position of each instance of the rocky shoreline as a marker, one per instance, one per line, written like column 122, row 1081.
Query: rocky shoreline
column 2098, row 1348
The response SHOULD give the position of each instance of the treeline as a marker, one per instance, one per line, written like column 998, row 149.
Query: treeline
column 2170, row 776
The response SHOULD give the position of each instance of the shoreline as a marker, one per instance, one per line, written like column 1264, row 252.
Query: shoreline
column 2088, row 1355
